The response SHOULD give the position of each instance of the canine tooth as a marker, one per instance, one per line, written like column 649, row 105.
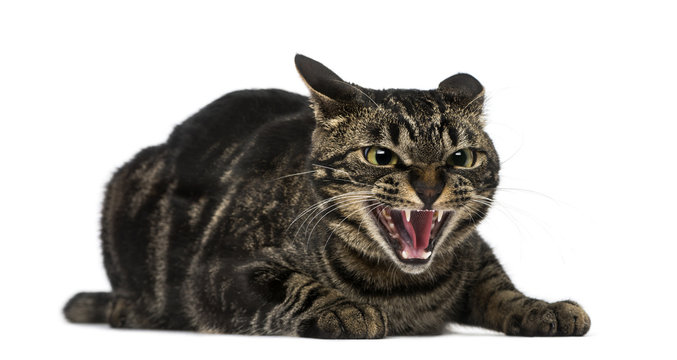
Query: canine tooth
column 426, row 254
column 439, row 216
column 404, row 254
column 407, row 213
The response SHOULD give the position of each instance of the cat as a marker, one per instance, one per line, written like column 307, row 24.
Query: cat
column 351, row 213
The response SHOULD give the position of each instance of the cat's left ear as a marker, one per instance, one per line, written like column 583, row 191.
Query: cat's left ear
column 465, row 91
column 329, row 93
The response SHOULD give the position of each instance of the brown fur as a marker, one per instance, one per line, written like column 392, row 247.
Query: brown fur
column 258, row 216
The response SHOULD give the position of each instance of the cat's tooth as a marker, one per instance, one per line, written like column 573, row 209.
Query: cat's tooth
column 407, row 213
column 404, row 254
column 426, row 254
column 439, row 216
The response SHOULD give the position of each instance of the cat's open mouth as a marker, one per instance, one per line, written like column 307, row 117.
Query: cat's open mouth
column 411, row 233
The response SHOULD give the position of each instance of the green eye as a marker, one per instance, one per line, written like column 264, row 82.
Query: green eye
column 380, row 156
column 464, row 158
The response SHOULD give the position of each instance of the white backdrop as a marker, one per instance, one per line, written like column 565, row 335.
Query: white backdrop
column 580, row 104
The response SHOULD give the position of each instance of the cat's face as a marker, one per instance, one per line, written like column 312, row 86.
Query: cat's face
column 403, row 170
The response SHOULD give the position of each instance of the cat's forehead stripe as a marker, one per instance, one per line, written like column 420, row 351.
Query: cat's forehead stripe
column 394, row 132
column 413, row 103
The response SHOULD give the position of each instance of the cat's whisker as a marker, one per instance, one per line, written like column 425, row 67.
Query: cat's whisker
column 343, row 171
column 325, row 201
column 337, row 204
column 296, row 174
column 503, row 210
column 346, row 205
column 472, row 211
column 318, row 206
column 483, row 202
column 353, row 193
column 365, row 94
column 359, row 228
column 310, row 216
column 318, row 211
column 509, row 209
column 500, row 206
column 364, row 208
column 335, row 208
column 482, row 197
column 350, row 180
column 330, row 168
column 528, row 191
column 346, row 180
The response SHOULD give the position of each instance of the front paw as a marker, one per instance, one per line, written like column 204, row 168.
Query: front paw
column 346, row 321
column 564, row 318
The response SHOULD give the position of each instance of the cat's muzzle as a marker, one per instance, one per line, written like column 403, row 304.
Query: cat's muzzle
column 411, row 233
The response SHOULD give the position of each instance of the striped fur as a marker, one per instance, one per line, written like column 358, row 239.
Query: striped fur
column 254, row 218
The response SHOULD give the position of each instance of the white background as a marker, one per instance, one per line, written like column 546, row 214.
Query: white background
column 580, row 104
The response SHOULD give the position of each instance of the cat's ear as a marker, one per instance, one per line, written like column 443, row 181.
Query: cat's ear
column 465, row 91
column 329, row 93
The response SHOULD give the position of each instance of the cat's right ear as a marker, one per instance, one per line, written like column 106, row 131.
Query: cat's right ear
column 329, row 93
column 465, row 91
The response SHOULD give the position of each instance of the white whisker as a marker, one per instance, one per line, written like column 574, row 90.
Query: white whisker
column 329, row 208
column 326, row 214
column 363, row 93
column 343, row 171
column 322, row 202
column 297, row 174
column 365, row 208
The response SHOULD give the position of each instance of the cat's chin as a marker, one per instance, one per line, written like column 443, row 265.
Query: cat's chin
column 411, row 234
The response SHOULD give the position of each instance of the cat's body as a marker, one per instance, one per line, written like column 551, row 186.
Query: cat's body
column 262, row 216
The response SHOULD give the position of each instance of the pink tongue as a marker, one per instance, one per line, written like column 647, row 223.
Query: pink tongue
column 419, row 228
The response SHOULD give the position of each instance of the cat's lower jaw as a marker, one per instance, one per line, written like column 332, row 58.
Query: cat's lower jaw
column 411, row 234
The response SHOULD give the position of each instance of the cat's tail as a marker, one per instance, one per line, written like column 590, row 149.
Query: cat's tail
column 89, row 307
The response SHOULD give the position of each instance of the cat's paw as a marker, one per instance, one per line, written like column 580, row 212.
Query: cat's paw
column 346, row 321
column 564, row 318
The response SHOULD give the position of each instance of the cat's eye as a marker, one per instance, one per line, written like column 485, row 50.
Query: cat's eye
column 380, row 156
column 464, row 158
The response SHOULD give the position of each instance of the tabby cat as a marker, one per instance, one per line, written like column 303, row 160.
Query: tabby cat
column 349, row 214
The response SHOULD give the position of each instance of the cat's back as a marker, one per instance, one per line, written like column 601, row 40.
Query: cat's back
column 234, row 116
column 159, row 204
column 218, row 133
column 206, row 155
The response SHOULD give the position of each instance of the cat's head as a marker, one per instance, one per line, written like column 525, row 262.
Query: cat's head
column 403, row 174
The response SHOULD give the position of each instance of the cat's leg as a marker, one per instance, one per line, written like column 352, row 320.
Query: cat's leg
column 264, row 298
column 494, row 303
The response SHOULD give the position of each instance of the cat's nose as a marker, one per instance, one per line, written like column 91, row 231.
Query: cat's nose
column 428, row 183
